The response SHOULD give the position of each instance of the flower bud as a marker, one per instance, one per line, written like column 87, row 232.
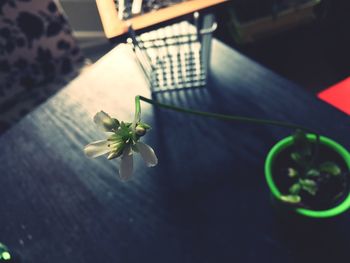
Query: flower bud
column 140, row 131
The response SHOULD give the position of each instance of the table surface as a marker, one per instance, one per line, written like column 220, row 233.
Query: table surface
column 206, row 201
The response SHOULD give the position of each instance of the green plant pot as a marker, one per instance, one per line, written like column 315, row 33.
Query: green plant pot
column 286, row 142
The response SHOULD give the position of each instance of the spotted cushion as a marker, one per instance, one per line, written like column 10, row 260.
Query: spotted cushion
column 38, row 54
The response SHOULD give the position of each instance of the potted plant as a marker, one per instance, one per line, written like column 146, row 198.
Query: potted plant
column 311, row 173
column 306, row 172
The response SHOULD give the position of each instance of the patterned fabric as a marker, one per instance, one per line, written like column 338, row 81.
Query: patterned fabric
column 37, row 55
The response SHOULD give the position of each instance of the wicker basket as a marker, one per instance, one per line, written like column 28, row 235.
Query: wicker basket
column 176, row 56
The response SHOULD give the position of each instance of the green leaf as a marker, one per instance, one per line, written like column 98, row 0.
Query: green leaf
column 309, row 186
column 290, row 199
column 330, row 168
column 299, row 136
column 301, row 141
column 302, row 147
column 296, row 157
column 292, row 173
column 313, row 173
column 295, row 189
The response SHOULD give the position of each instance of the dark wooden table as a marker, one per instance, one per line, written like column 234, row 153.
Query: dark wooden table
column 206, row 201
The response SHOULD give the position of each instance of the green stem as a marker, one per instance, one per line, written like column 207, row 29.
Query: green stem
column 222, row 116
column 137, row 112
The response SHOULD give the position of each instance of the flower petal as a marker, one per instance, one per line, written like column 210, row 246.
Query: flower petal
column 97, row 148
column 104, row 121
column 126, row 165
column 147, row 154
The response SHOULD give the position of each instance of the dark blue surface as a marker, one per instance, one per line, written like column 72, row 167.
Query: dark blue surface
column 206, row 201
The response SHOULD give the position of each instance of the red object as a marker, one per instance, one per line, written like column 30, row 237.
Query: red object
column 338, row 95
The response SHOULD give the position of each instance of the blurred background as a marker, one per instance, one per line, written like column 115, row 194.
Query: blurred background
column 305, row 41
column 45, row 44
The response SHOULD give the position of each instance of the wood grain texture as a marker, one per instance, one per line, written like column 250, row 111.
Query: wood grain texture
column 206, row 201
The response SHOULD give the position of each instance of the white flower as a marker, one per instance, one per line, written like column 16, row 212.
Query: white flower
column 123, row 142
column 126, row 165
column 105, row 122
column 147, row 154
column 97, row 148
